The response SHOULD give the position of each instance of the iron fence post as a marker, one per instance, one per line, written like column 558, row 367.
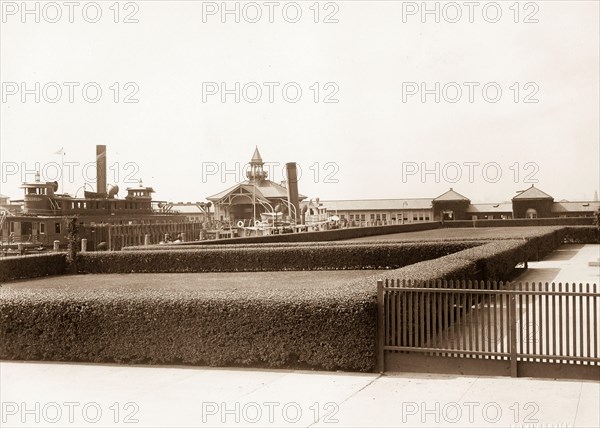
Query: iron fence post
column 512, row 314
column 380, row 328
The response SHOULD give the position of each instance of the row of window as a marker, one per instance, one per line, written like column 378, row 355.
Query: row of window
column 37, row 191
column 41, row 227
column 97, row 205
column 404, row 216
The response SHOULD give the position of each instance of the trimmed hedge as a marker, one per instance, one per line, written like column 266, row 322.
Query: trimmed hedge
column 167, row 248
column 493, row 261
column 331, row 329
column 557, row 221
column 32, row 266
column 325, row 328
column 326, row 257
column 582, row 235
column 445, row 267
column 435, row 235
column 324, row 235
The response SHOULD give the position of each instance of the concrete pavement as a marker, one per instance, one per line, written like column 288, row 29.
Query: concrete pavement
column 52, row 394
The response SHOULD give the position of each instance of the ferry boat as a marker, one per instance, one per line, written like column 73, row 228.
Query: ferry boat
column 43, row 215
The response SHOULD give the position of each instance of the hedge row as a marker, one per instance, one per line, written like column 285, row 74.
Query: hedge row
column 492, row 261
column 324, row 235
column 346, row 257
column 457, row 235
column 558, row 221
column 582, row 235
column 493, row 258
column 323, row 329
column 167, row 248
column 541, row 246
column 32, row 266
column 445, row 267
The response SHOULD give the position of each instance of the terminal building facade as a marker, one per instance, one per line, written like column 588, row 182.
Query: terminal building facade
column 451, row 205
column 246, row 201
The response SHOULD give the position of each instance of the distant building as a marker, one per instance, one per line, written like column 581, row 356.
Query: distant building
column 575, row 209
column 9, row 207
column 529, row 203
column 493, row 211
column 249, row 199
column 451, row 205
column 533, row 203
column 384, row 210
column 193, row 211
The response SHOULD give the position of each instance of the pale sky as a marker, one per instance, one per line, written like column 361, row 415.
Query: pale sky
column 357, row 148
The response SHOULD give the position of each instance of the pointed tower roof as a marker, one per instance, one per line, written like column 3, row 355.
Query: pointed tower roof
column 452, row 195
column 256, row 157
column 532, row 193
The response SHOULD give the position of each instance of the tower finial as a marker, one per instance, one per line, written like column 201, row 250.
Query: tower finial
column 256, row 158
column 256, row 172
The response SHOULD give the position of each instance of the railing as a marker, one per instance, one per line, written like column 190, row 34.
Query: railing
column 2, row 219
column 117, row 236
column 536, row 329
column 15, row 239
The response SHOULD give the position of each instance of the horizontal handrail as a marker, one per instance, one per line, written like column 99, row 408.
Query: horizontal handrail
column 509, row 292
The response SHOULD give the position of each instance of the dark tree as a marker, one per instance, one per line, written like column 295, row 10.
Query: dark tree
column 72, row 243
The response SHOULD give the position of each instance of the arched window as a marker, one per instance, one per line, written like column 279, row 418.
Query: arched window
column 531, row 213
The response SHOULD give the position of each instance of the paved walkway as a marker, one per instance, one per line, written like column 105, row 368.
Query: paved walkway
column 54, row 394
column 570, row 263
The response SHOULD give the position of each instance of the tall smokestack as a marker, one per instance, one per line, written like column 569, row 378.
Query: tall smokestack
column 101, row 169
column 292, row 185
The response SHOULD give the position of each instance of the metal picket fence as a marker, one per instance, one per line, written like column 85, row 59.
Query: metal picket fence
column 489, row 328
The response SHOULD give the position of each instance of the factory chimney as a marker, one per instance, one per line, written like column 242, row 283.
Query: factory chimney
column 101, row 169
column 292, row 186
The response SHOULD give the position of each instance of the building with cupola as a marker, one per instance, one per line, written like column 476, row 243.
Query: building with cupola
column 451, row 205
column 258, row 196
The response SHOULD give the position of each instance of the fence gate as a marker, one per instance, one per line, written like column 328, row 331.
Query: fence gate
column 488, row 328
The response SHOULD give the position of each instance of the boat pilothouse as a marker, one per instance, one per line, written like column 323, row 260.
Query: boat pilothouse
column 43, row 213
column 42, row 199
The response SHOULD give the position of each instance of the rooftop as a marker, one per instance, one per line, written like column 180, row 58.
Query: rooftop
column 451, row 195
column 256, row 157
column 265, row 188
column 378, row 204
column 532, row 193
column 575, row 206
column 504, row 207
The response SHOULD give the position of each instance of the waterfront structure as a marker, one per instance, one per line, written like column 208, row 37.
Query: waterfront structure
column 248, row 201
column 451, row 205
column 193, row 211
column 44, row 212
column 380, row 210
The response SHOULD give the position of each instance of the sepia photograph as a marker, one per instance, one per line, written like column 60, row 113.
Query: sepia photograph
column 311, row 213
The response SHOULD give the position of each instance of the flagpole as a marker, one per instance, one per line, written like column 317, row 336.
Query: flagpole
column 62, row 170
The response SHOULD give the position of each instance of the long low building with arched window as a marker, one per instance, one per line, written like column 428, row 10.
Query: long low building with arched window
column 248, row 201
column 451, row 205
